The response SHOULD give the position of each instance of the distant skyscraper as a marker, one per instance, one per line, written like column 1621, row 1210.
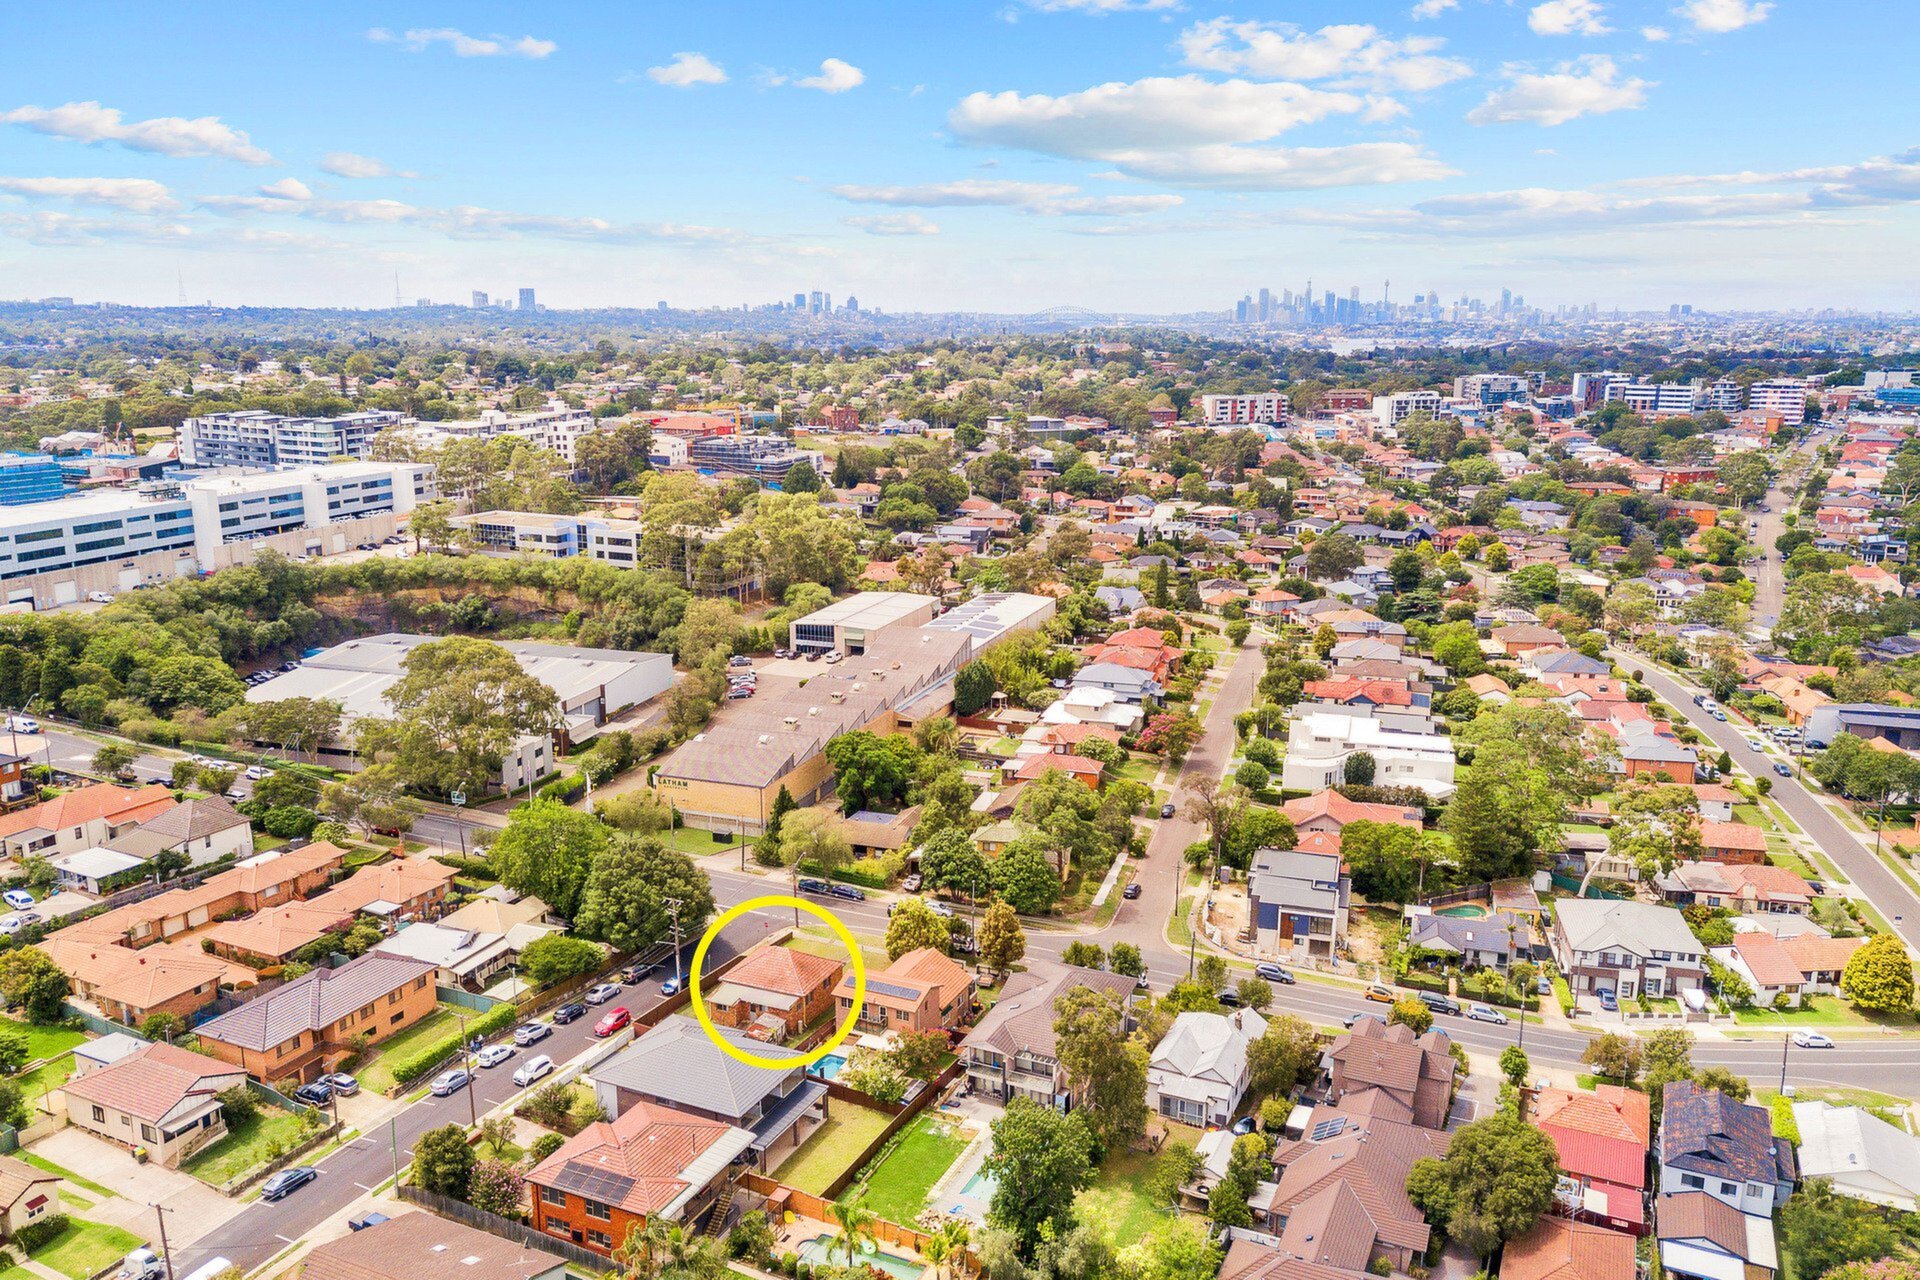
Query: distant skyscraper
column 799, row 302
column 479, row 298
column 815, row 302
column 526, row 300
column 1506, row 301
column 1266, row 305
column 1243, row 310
column 853, row 304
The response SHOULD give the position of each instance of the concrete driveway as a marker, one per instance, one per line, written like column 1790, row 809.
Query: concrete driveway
column 193, row 1208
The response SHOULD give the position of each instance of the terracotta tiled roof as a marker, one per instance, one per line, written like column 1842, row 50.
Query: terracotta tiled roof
column 1815, row 954
column 1331, row 804
column 17, row 1177
column 1561, row 1249
column 648, row 1148
column 1600, row 1133
column 785, row 970
column 149, row 1084
column 88, row 804
column 1732, row 835
column 1767, row 959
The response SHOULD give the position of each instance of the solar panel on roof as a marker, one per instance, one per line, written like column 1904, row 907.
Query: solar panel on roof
column 893, row 989
column 1328, row 1129
column 595, row 1184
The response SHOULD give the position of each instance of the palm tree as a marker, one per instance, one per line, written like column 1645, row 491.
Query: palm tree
column 935, row 1251
column 955, row 1234
column 856, row 1226
column 639, row 1254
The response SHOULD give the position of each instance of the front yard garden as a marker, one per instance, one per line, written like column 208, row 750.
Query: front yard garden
column 80, row 1251
column 253, row 1142
column 833, row 1147
column 376, row 1074
column 1822, row 1011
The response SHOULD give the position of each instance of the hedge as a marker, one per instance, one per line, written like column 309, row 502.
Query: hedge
column 1564, row 994
column 33, row 1236
column 566, row 790
column 432, row 1055
column 1425, row 981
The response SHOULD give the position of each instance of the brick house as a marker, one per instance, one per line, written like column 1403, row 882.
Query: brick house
column 1411, row 1076
column 1630, row 948
column 1733, row 842
column 612, row 1178
column 921, row 991
column 297, row 1029
column 775, row 992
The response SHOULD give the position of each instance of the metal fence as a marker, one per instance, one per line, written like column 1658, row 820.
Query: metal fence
column 465, row 999
column 506, row 1228
column 98, row 1025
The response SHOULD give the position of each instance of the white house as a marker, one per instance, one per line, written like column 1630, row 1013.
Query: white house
column 1199, row 1069
column 1863, row 1155
column 1088, row 705
column 1321, row 739
column 1723, row 1147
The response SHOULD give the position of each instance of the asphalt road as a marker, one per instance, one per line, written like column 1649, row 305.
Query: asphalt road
column 264, row 1228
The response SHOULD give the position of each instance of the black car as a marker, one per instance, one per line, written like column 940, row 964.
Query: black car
column 317, row 1094
column 288, row 1181
column 852, row 892
column 1166, row 810
column 1229, row 998
column 1784, row 771
column 1131, row 891
column 810, row 885
column 568, row 1012
column 1439, row 1003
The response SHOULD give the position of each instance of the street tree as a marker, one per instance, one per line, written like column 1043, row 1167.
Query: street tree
column 913, row 926
column 631, row 887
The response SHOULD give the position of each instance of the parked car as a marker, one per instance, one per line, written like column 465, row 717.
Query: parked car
column 317, row 1094
column 344, row 1085
column 449, row 1082
column 19, row 899
column 1243, row 1126
column 1380, row 991
column 1486, row 1013
column 1353, row 1019
column 852, row 892
column 1166, row 810
column 255, row 772
column 739, row 660
column 601, row 992
column 1785, row 771
column 1719, row 715
column 637, row 972
column 1607, row 1000
column 671, row 987
column 1229, row 997
column 912, row 883
column 613, row 1020
column 495, row 1054
column 11, row 925
column 100, row 597
column 1439, row 1003
column 810, row 885
column 288, row 1181
column 1273, row 973
column 23, row 724
column 531, row 1033
column 366, row 1220
column 532, row 1069
column 1543, row 985
column 736, row 695
column 1811, row 1040
column 569, row 1012
column 1132, row 890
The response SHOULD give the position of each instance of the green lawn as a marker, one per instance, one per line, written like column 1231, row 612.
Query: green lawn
column 44, row 1042
column 244, row 1147
column 1822, row 1011
column 376, row 1075
column 81, row 1250
column 45, row 1165
column 1884, row 1105
column 833, row 1147
column 1116, row 1205
column 897, row 1188
column 35, row 1083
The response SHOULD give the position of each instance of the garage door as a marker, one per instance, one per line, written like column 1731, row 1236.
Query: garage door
column 66, row 592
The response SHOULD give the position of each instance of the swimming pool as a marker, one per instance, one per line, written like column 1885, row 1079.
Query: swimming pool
column 828, row 1067
column 821, row 1249
column 981, row 1186
column 1466, row 910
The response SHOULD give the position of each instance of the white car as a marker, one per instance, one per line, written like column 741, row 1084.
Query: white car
column 23, row 724
column 1801, row 1039
column 602, row 993
column 495, row 1054
column 256, row 772
column 18, row 899
column 1486, row 1013
column 12, row 925
column 100, row 597
column 532, row 1069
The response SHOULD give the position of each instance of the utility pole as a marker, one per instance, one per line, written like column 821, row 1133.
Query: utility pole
column 673, row 909
column 166, row 1254
column 1786, row 1039
column 393, row 1135
column 467, row 1065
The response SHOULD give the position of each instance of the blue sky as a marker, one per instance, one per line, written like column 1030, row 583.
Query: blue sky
column 1138, row 154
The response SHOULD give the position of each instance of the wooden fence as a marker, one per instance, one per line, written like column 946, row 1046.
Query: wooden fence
column 506, row 1228
column 780, row 1195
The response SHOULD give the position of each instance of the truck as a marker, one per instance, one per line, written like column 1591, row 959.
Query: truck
column 142, row 1264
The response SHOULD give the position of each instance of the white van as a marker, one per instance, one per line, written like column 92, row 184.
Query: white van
column 22, row 724
column 208, row 1270
column 143, row 1264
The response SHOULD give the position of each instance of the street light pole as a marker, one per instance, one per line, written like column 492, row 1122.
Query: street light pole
column 166, row 1254
column 673, row 908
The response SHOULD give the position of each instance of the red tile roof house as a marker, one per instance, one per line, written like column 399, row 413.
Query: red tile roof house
column 614, row 1177
column 80, row 819
column 1562, row 1249
column 1525, row 638
column 921, row 991
column 162, row 1098
column 1733, row 842
column 1330, row 811
column 1080, row 767
column 775, row 993
column 1602, row 1135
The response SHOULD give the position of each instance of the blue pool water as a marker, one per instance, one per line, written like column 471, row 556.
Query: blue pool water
column 821, row 1249
column 828, row 1067
column 981, row 1186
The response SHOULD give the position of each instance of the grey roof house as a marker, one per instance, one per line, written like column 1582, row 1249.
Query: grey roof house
column 1487, row 942
column 1011, row 1051
column 1128, row 684
column 1298, row 902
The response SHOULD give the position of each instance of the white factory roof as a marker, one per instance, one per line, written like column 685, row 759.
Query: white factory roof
column 869, row 609
column 986, row 618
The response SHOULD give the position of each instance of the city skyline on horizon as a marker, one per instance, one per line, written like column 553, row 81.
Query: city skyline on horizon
column 1145, row 156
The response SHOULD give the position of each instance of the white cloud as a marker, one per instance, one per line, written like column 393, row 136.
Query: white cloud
column 1053, row 199
column 1568, row 18
column 345, row 164
column 135, row 195
column 1720, row 16
column 287, row 189
column 835, row 76
column 687, row 70
column 417, row 39
column 1588, row 86
column 1349, row 55
column 893, row 224
column 1432, row 8
column 53, row 228
column 1187, row 131
column 1102, row 7
column 163, row 135
column 1655, row 35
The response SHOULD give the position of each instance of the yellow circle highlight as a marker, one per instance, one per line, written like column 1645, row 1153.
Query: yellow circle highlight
column 840, row 931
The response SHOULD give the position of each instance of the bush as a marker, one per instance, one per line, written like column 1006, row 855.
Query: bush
column 543, row 1146
column 238, row 1105
column 430, row 1056
column 566, row 790
column 35, row 1236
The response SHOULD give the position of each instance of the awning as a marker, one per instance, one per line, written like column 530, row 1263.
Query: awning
column 774, row 1125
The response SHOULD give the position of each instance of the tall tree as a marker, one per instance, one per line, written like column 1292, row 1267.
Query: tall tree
column 1041, row 1159
column 1495, row 1182
column 630, row 892
column 548, row 850
column 459, row 707
column 1105, row 1069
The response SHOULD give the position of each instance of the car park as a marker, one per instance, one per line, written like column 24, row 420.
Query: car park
column 1486, row 1013
column 17, row 898
column 1132, row 890
column 449, row 1082
column 568, row 1013
column 615, row 1019
column 1272, row 972
column 494, row 1054
column 602, row 992
column 288, row 1181
column 1811, row 1040
column 532, row 1069
column 1439, row 1003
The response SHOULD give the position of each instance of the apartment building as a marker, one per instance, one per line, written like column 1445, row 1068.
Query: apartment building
column 1391, row 411
column 256, row 438
column 1231, row 411
column 1405, row 750
column 1784, row 396
column 1657, row 397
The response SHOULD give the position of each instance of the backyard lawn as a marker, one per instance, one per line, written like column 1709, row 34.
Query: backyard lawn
column 81, row 1250
column 244, row 1147
column 52, row 1075
column 1116, row 1205
column 897, row 1189
column 833, row 1147
column 44, row 1042
column 376, row 1076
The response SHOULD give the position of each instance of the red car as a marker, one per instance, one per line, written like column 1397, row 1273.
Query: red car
column 614, row 1020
